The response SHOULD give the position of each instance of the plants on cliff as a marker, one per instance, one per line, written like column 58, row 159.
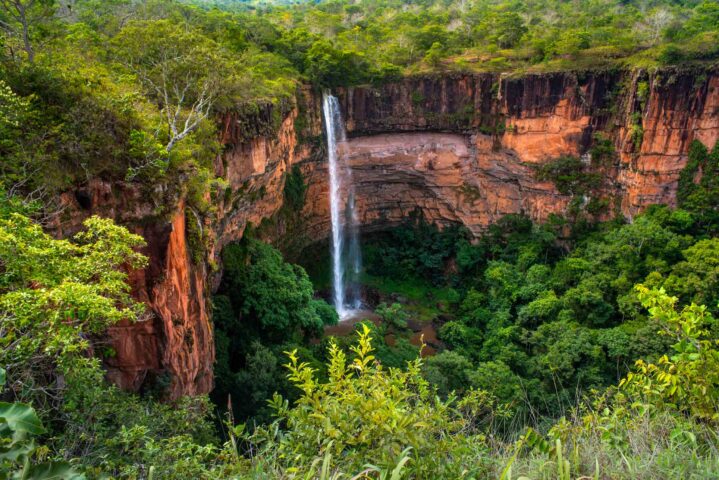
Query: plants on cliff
column 62, row 129
column 602, row 151
column 570, row 175
column 295, row 189
column 698, row 190
column 636, row 131
column 55, row 294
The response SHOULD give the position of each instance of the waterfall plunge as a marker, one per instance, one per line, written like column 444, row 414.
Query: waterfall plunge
column 346, row 265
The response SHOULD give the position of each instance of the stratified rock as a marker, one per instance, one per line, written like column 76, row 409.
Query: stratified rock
column 459, row 148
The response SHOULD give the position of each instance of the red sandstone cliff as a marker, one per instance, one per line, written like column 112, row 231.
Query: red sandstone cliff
column 459, row 147
column 462, row 148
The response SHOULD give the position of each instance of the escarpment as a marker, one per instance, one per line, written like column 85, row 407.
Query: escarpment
column 465, row 148
column 459, row 148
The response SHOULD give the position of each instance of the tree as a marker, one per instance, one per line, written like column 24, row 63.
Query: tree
column 502, row 27
column 656, row 23
column 271, row 295
column 55, row 294
column 16, row 168
column 705, row 17
column 434, row 55
column 393, row 315
column 697, row 278
column 181, row 70
column 328, row 66
column 20, row 17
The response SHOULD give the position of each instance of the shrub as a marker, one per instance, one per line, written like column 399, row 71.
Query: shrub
column 688, row 379
column 365, row 413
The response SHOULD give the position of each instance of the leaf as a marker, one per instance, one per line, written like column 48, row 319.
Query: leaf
column 18, row 449
column 21, row 418
column 54, row 471
column 404, row 458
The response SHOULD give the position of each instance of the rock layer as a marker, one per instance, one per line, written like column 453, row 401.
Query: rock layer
column 460, row 148
column 494, row 131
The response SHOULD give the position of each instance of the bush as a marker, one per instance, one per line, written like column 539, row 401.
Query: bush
column 687, row 380
column 366, row 414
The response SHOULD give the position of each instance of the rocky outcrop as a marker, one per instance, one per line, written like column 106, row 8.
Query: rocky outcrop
column 463, row 148
column 171, row 348
column 460, row 148
column 678, row 109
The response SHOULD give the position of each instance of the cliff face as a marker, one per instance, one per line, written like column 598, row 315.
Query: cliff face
column 461, row 148
column 171, row 348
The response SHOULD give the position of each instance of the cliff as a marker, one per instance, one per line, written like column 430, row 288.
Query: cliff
column 461, row 148
column 464, row 148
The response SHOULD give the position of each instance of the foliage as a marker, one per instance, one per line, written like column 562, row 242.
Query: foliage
column 180, row 69
column 124, row 90
column 365, row 413
column 295, row 189
column 537, row 316
column 18, row 425
column 570, row 176
column 536, row 323
column 54, row 294
column 417, row 249
column 116, row 434
column 687, row 380
column 700, row 195
column 264, row 304
column 392, row 315
column 345, row 43
column 330, row 67
column 276, row 295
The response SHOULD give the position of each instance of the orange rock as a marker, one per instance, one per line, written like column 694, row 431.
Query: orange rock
column 460, row 148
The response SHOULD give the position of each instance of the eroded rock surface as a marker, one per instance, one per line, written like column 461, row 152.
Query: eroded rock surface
column 460, row 148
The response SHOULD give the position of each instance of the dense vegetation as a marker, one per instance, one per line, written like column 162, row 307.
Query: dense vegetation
column 565, row 349
column 343, row 41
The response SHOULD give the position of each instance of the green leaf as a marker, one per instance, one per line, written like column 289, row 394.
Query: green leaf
column 21, row 418
column 54, row 471
column 17, row 449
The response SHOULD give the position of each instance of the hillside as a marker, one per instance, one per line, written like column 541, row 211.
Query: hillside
column 519, row 197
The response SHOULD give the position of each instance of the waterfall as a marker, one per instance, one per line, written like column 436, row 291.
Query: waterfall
column 346, row 265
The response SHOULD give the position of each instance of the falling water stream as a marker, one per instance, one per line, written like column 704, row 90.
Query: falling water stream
column 346, row 254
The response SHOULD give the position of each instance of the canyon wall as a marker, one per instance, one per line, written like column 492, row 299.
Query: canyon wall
column 464, row 148
column 460, row 148
column 170, row 350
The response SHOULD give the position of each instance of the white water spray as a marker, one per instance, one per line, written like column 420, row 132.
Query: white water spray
column 345, row 291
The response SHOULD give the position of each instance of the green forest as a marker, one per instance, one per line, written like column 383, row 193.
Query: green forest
column 583, row 347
